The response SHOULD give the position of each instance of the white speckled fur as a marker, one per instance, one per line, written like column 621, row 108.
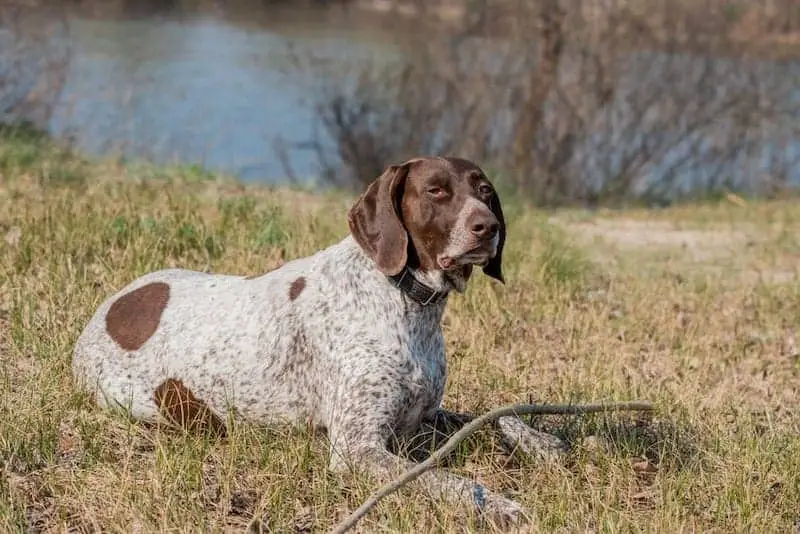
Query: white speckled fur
column 351, row 354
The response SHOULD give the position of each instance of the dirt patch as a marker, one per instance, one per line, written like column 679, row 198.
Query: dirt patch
column 732, row 250
column 701, row 245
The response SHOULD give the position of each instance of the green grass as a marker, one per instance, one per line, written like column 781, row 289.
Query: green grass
column 677, row 306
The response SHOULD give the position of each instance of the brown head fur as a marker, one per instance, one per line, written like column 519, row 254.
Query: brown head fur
column 408, row 214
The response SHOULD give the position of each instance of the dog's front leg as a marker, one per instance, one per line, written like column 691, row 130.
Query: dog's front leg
column 356, row 447
column 447, row 488
column 516, row 436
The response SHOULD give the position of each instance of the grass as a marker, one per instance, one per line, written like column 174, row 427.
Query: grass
column 609, row 306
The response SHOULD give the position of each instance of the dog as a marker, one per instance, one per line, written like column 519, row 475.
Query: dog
column 347, row 339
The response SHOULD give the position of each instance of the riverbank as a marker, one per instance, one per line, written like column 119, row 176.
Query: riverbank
column 138, row 76
column 690, row 307
column 737, row 28
column 729, row 29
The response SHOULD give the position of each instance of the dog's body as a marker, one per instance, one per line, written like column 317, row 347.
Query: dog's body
column 347, row 339
column 270, row 346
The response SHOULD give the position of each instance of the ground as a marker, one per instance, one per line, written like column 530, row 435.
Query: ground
column 693, row 308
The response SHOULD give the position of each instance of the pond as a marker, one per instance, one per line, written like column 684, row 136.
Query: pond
column 193, row 87
column 214, row 85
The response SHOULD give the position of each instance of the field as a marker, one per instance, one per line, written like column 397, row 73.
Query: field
column 692, row 307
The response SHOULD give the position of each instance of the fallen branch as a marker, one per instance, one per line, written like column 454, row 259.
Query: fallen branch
column 469, row 429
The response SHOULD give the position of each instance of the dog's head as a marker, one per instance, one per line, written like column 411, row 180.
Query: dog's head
column 432, row 214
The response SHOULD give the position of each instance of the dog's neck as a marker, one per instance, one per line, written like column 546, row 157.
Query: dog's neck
column 428, row 287
column 420, row 286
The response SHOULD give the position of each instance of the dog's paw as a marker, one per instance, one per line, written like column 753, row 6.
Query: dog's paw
column 539, row 445
column 498, row 509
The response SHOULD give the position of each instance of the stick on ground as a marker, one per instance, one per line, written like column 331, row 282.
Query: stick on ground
column 469, row 429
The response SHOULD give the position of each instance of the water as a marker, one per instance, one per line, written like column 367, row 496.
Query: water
column 215, row 86
column 198, row 89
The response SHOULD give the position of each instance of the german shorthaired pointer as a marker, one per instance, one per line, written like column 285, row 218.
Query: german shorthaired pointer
column 347, row 339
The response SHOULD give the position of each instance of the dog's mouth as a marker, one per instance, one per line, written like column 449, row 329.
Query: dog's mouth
column 479, row 255
column 457, row 277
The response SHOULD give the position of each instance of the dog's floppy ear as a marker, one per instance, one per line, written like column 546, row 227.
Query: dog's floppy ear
column 495, row 266
column 375, row 223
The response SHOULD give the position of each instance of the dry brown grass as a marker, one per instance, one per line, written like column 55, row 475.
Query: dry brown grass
column 579, row 319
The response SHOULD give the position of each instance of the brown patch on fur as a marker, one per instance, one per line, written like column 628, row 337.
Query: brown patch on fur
column 375, row 224
column 297, row 287
column 179, row 405
column 134, row 317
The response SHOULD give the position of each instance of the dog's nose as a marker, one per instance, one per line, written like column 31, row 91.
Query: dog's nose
column 485, row 228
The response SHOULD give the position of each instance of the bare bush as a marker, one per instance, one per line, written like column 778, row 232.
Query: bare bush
column 573, row 101
column 34, row 59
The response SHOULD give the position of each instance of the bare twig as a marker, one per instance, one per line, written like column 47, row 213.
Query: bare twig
column 469, row 429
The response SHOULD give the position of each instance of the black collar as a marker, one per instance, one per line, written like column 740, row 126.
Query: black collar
column 415, row 289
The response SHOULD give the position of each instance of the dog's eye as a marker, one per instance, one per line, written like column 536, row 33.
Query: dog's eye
column 438, row 192
column 485, row 189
